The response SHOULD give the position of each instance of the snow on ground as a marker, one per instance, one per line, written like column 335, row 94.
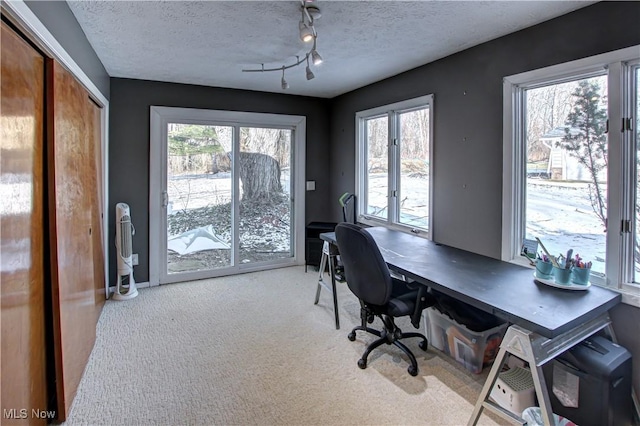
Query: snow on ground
column 558, row 213
column 202, row 202
column 195, row 191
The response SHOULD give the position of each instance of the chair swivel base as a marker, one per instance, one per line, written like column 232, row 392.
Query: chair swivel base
column 390, row 338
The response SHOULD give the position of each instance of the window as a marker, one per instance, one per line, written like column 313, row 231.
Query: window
column 571, row 164
column 634, row 122
column 393, row 164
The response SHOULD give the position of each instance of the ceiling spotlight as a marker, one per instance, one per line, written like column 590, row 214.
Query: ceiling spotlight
column 306, row 34
column 310, row 75
column 283, row 82
column 315, row 56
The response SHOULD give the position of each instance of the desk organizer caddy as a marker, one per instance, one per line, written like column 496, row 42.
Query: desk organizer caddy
column 472, row 349
column 568, row 286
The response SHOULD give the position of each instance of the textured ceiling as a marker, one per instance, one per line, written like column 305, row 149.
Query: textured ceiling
column 210, row 42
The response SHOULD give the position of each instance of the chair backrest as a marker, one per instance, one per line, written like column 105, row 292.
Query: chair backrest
column 348, row 203
column 366, row 272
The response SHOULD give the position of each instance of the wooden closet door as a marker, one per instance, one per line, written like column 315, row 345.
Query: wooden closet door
column 22, row 233
column 77, row 261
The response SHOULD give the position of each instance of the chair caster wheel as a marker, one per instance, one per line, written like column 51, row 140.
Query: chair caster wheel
column 413, row 370
column 363, row 364
column 423, row 345
column 352, row 336
column 370, row 319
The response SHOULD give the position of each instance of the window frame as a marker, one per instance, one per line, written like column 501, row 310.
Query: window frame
column 392, row 112
column 617, row 65
column 630, row 142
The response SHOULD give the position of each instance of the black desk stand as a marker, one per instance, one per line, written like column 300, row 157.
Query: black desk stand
column 329, row 253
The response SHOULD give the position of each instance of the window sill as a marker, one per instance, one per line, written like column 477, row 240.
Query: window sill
column 630, row 294
column 406, row 229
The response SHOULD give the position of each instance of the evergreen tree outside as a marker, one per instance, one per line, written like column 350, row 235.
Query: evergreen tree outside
column 589, row 144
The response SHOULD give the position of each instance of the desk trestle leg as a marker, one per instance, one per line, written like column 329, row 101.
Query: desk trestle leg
column 537, row 351
column 321, row 269
column 328, row 255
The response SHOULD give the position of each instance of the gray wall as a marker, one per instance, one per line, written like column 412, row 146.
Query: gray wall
column 471, row 218
column 62, row 24
column 129, row 145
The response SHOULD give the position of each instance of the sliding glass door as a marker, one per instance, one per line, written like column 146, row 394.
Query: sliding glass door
column 265, row 207
column 226, row 202
column 199, row 197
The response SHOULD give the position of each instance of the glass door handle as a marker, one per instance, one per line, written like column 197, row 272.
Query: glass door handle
column 165, row 199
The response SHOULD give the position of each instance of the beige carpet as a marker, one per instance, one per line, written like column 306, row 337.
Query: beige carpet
column 253, row 349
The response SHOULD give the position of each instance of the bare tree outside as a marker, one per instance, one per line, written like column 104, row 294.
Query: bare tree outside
column 546, row 110
column 265, row 204
column 413, row 142
column 377, row 131
column 262, row 153
column 414, row 168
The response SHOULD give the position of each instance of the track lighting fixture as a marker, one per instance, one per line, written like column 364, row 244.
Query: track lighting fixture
column 307, row 31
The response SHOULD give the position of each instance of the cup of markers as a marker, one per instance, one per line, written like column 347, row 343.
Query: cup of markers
column 561, row 275
column 581, row 271
column 544, row 267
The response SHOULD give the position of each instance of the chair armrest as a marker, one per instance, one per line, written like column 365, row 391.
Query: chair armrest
column 424, row 299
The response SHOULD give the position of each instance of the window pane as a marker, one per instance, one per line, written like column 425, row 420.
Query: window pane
column 377, row 166
column 414, row 168
column 199, row 190
column 636, row 247
column 265, row 194
column 566, row 187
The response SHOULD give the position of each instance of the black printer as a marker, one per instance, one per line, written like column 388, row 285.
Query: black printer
column 590, row 384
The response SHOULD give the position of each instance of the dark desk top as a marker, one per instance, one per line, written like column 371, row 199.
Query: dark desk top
column 501, row 288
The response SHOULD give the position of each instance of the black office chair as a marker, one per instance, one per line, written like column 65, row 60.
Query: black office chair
column 380, row 294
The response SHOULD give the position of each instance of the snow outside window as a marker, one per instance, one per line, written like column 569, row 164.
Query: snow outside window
column 393, row 163
column 571, row 164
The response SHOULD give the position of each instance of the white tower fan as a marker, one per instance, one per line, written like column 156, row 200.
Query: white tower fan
column 126, row 289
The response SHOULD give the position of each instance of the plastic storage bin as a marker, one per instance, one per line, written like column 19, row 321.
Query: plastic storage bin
column 470, row 348
column 533, row 417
